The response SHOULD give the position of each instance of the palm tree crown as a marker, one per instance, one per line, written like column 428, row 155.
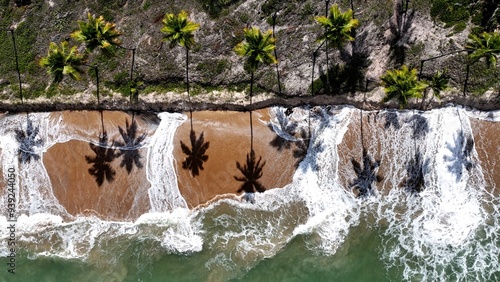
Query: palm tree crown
column 179, row 30
column 63, row 60
column 402, row 84
column 439, row 83
column 257, row 47
column 97, row 33
column 339, row 27
column 486, row 45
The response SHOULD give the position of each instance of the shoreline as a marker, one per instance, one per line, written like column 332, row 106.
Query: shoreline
column 177, row 104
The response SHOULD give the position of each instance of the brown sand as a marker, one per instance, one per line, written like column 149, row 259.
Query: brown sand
column 487, row 146
column 229, row 137
column 126, row 196
column 123, row 198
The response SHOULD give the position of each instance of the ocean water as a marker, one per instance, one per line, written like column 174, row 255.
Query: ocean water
column 314, row 229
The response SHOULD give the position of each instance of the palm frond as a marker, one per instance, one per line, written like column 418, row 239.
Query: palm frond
column 486, row 45
column 339, row 27
column 63, row 60
column 402, row 84
column 257, row 47
column 97, row 33
column 178, row 29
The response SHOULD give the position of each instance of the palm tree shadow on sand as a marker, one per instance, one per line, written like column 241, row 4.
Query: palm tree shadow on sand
column 416, row 169
column 101, row 168
column 129, row 146
column 460, row 154
column 196, row 154
column 300, row 139
column 28, row 140
column 366, row 175
column 252, row 172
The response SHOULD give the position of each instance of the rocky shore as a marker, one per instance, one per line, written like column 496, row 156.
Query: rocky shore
column 238, row 101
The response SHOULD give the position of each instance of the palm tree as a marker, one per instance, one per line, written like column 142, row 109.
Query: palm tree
column 402, row 84
column 96, row 33
column 63, row 60
column 257, row 48
column 179, row 30
column 339, row 28
column 17, row 63
column 486, row 45
column 438, row 83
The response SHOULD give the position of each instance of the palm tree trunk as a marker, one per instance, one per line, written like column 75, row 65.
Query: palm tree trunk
column 251, row 122
column 276, row 55
column 466, row 78
column 312, row 73
column 17, row 65
column 132, row 76
column 187, row 76
column 327, row 88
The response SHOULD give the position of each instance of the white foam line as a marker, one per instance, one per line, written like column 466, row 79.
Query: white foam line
column 164, row 193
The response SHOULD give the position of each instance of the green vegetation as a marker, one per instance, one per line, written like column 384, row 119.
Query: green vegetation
column 179, row 30
column 39, row 24
column 338, row 29
column 402, row 85
column 63, row 60
column 97, row 33
column 210, row 69
column 486, row 45
column 216, row 7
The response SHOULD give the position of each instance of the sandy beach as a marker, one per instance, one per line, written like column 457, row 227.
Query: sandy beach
column 228, row 134
column 126, row 196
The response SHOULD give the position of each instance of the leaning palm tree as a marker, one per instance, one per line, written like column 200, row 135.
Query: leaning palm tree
column 96, row 33
column 63, row 60
column 179, row 30
column 402, row 84
column 339, row 28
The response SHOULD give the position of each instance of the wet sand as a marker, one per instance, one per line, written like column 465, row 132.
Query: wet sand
column 125, row 197
column 487, row 144
column 228, row 134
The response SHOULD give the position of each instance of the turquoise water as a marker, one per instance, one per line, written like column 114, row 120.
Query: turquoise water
column 360, row 258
